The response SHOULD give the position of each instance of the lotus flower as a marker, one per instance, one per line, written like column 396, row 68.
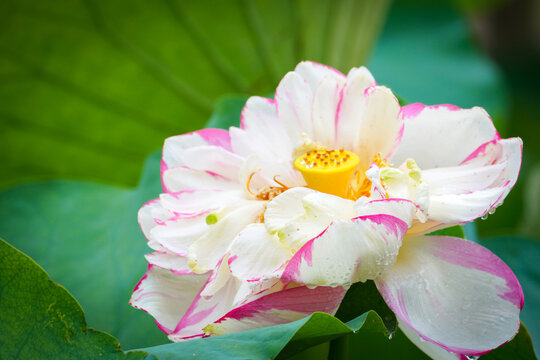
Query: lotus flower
column 332, row 183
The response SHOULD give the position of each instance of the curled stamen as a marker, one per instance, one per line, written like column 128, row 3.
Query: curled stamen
column 248, row 182
column 285, row 187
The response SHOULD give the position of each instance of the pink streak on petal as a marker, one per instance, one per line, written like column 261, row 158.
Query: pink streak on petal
column 292, row 270
column 216, row 137
column 393, row 225
column 481, row 150
column 232, row 258
column 338, row 111
column 473, row 256
column 163, row 168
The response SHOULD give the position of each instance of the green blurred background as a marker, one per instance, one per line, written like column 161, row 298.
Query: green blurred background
column 90, row 89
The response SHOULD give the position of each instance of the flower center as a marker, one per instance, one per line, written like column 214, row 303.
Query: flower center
column 328, row 171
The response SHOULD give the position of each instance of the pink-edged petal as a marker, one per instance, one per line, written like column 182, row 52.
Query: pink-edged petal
column 214, row 159
column 205, row 253
column 183, row 178
column 255, row 253
column 453, row 293
column 493, row 164
column 348, row 251
column 165, row 295
column 325, row 104
column 313, row 73
column 177, row 234
column 294, row 98
column 191, row 203
column 401, row 208
column 175, row 146
column 169, row 261
column 278, row 308
column 351, row 107
column 442, row 135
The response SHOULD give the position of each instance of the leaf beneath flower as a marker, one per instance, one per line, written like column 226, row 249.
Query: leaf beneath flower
column 41, row 320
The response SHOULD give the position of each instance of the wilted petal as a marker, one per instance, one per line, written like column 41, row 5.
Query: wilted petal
column 453, row 293
column 165, row 295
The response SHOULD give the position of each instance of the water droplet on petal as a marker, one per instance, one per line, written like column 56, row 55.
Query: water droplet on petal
column 485, row 216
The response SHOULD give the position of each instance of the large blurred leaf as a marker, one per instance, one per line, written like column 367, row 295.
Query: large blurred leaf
column 89, row 88
column 39, row 319
column 426, row 55
column 87, row 238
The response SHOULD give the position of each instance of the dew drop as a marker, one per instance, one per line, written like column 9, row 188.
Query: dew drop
column 470, row 357
column 390, row 336
column 485, row 216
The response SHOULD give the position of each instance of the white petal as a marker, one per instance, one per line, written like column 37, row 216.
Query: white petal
column 178, row 234
column 301, row 225
column 175, row 146
column 149, row 216
column 380, row 125
column 401, row 208
column 182, row 178
column 260, row 120
column 206, row 252
column 294, row 98
column 351, row 107
column 270, row 163
column 460, row 208
column 166, row 260
column 214, row 159
column 443, row 135
column 453, row 293
column 348, row 251
column 197, row 202
column 324, row 109
column 165, row 295
column 255, row 253
column 285, row 207
column 279, row 308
